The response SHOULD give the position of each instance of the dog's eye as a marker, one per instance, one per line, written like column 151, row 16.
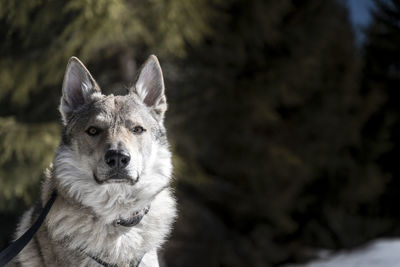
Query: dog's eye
column 138, row 130
column 92, row 131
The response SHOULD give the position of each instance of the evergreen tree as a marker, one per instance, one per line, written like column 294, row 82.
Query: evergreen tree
column 381, row 81
column 275, row 119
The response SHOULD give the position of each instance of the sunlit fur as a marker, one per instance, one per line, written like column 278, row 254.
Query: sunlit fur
column 82, row 219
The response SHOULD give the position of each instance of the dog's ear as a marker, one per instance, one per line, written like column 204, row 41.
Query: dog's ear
column 77, row 87
column 149, row 87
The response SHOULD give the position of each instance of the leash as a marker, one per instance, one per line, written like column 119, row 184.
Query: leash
column 12, row 250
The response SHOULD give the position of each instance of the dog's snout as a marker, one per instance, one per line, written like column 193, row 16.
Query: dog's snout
column 117, row 158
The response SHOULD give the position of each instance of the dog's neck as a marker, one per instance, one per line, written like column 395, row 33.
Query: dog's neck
column 132, row 219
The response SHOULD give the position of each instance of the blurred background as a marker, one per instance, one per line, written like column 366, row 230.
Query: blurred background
column 283, row 115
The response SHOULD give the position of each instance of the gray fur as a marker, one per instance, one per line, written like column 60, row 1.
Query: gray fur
column 82, row 219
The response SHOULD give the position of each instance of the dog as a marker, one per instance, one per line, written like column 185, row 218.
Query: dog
column 112, row 174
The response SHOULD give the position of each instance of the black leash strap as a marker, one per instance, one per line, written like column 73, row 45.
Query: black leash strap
column 11, row 251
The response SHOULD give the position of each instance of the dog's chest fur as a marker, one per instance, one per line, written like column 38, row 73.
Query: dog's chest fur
column 71, row 233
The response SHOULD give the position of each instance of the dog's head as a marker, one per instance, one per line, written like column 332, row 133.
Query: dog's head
column 114, row 149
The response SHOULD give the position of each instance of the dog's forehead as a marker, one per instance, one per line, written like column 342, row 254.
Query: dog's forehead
column 123, row 107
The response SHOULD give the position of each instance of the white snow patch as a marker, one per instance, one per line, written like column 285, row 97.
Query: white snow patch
column 380, row 253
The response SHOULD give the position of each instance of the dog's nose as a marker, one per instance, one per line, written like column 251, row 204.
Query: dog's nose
column 117, row 158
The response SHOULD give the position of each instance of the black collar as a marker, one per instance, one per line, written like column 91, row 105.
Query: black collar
column 105, row 264
column 134, row 220
column 101, row 262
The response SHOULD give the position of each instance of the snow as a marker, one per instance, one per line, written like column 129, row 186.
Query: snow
column 380, row 253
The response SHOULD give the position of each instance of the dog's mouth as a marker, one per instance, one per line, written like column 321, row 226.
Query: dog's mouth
column 116, row 178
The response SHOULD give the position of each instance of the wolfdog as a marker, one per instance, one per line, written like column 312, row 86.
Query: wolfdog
column 112, row 172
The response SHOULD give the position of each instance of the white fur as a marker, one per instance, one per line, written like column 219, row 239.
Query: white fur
column 110, row 202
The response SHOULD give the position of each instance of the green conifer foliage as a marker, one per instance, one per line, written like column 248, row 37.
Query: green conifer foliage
column 41, row 35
